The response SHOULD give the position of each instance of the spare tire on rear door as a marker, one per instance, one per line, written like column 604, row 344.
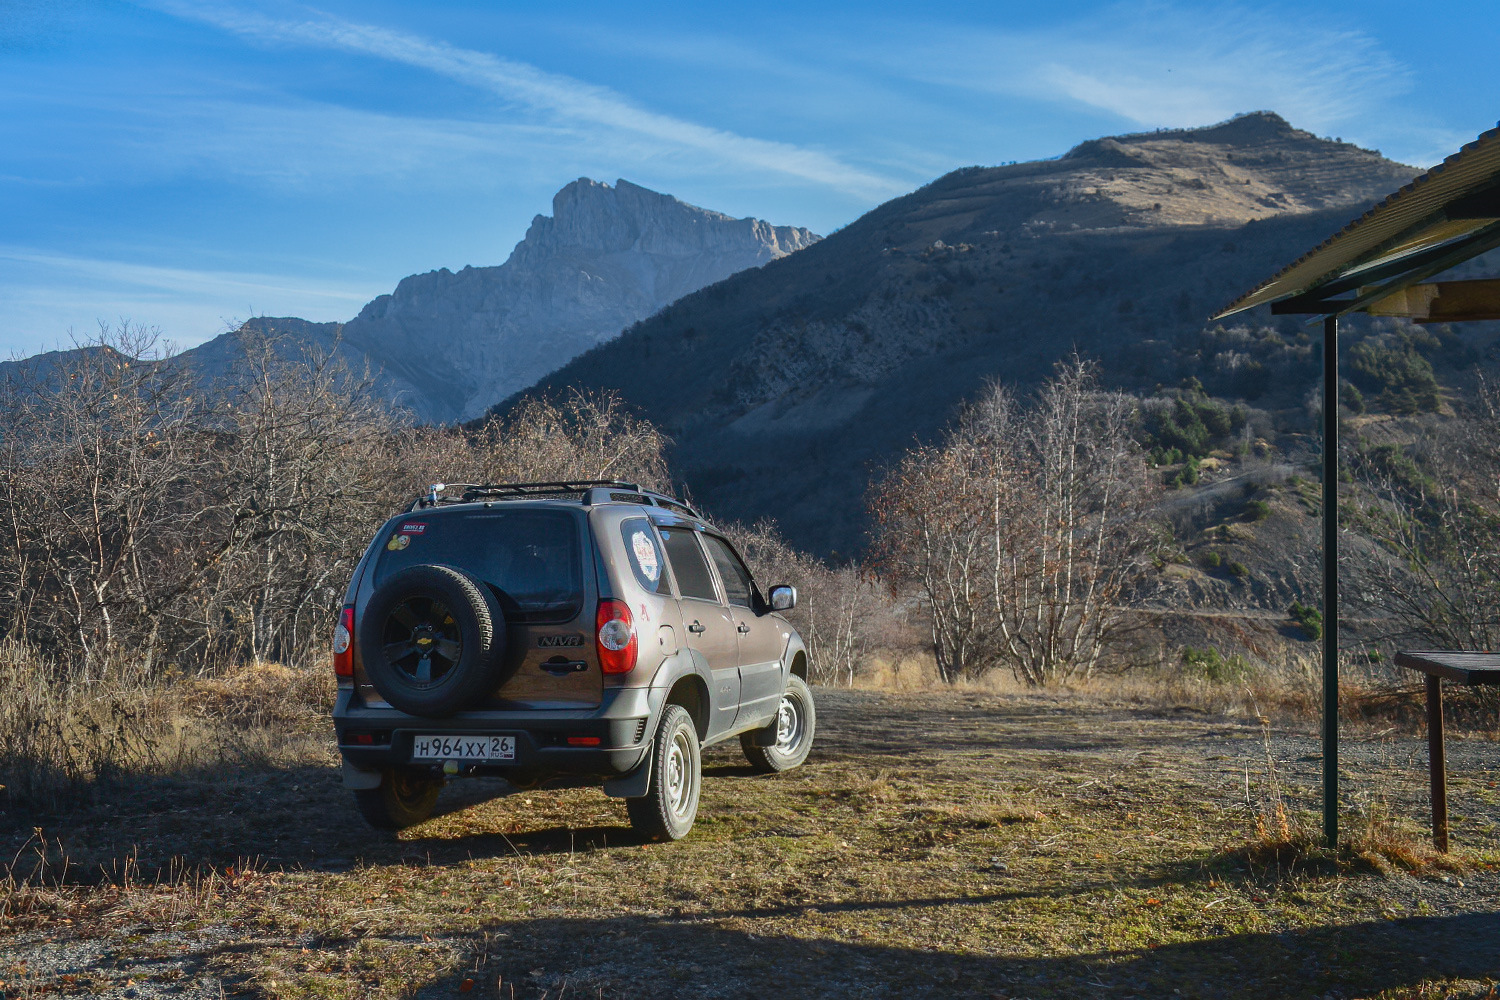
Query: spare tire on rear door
column 432, row 639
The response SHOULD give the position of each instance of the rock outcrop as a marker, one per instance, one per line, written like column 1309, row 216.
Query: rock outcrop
column 449, row 345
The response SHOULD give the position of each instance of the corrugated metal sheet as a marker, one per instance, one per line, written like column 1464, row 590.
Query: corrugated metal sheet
column 1407, row 221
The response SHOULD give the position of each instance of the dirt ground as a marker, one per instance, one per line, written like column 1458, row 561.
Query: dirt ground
column 934, row 845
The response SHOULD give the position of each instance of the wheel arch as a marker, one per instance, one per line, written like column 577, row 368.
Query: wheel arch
column 689, row 692
column 799, row 666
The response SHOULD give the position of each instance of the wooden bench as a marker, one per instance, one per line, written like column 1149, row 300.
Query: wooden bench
column 1460, row 668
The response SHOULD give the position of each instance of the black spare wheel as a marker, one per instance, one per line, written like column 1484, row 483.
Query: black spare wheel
column 432, row 639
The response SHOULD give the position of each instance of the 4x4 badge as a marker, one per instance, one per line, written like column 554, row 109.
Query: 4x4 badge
column 573, row 639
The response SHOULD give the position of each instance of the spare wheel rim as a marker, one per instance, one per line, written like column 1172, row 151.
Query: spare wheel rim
column 422, row 640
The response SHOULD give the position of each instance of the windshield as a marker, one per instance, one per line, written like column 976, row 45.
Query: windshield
column 530, row 559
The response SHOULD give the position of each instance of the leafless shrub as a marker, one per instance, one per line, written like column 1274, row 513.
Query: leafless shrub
column 216, row 522
column 582, row 437
column 842, row 612
column 1026, row 530
column 1438, row 517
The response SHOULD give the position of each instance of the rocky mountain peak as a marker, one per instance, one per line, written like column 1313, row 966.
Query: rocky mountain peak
column 451, row 344
column 592, row 217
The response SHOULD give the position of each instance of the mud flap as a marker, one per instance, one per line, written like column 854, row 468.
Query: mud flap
column 358, row 778
column 634, row 785
column 765, row 736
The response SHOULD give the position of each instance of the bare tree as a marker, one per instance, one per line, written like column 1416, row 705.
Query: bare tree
column 157, row 514
column 840, row 610
column 1435, row 574
column 1026, row 531
column 95, row 458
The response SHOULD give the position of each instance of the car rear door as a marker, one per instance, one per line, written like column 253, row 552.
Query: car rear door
column 762, row 637
column 707, row 625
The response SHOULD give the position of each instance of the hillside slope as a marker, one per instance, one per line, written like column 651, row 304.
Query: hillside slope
column 785, row 387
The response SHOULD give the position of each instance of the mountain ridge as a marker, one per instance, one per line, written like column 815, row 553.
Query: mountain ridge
column 786, row 388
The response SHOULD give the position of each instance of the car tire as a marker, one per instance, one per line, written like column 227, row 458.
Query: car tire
column 406, row 796
column 667, row 810
column 431, row 639
column 796, row 722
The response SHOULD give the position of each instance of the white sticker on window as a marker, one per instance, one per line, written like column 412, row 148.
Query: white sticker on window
column 644, row 550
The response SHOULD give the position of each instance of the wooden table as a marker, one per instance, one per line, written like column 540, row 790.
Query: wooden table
column 1461, row 668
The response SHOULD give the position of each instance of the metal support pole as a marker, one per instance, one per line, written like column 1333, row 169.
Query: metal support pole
column 1331, row 581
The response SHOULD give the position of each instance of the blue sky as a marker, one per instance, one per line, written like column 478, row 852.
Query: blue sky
column 186, row 164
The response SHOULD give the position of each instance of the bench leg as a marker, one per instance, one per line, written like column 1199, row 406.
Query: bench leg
column 1437, row 763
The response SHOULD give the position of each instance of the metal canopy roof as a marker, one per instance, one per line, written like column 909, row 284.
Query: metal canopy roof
column 1445, row 216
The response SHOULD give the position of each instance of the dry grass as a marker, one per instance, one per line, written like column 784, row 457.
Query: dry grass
column 67, row 734
column 955, row 843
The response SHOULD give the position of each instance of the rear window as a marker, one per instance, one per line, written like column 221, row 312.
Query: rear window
column 646, row 560
column 530, row 559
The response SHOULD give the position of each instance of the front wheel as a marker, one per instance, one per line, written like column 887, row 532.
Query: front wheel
column 796, row 720
column 406, row 797
column 667, row 810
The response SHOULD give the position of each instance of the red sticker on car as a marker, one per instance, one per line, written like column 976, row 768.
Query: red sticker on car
column 413, row 528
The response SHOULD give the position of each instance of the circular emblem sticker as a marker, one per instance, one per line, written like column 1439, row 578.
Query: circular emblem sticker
column 644, row 550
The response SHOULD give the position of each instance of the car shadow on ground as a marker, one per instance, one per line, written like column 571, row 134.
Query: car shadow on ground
column 700, row 956
column 728, row 954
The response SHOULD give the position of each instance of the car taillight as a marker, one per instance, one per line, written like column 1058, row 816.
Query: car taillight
column 343, row 644
column 616, row 637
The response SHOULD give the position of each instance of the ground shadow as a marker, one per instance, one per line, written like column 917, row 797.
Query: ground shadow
column 677, row 958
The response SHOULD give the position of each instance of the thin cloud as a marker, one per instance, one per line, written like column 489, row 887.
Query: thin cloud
column 569, row 99
column 46, row 296
column 1162, row 65
column 180, row 280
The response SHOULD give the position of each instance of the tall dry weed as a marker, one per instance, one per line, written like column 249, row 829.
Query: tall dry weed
column 65, row 729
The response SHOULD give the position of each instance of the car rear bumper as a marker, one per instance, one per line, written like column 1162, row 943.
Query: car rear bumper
column 551, row 741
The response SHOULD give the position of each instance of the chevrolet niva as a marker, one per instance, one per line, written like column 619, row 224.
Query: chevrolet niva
column 546, row 632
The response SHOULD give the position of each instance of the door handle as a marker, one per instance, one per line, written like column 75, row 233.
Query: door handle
column 743, row 628
column 559, row 667
column 697, row 627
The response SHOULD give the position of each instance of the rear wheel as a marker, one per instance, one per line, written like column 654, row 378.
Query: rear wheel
column 667, row 810
column 406, row 797
column 796, row 720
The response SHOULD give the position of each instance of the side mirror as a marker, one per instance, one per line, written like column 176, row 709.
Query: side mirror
column 783, row 597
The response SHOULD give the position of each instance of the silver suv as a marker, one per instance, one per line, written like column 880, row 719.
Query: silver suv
column 552, row 631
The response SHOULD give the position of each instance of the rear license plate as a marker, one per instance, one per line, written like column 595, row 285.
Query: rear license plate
column 451, row 747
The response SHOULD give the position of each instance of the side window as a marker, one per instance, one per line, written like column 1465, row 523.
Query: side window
column 644, row 555
column 692, row 574
column 737, row 585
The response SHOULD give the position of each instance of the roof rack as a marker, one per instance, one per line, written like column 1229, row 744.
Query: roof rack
column 592, row 491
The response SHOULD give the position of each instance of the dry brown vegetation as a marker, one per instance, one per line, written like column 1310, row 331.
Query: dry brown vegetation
column 1025, row 532
column 962, row 842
